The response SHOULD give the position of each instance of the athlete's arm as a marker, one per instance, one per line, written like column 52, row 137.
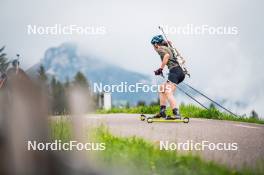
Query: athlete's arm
column 165, row 60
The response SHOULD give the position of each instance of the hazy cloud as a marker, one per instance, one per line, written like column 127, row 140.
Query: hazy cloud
column 224, row 66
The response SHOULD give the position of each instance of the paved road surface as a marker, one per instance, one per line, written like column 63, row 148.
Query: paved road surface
column 249, row 137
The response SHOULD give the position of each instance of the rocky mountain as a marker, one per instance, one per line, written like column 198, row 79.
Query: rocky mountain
column 64, row 62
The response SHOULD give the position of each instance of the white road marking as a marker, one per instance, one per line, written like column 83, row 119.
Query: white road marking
column 245, row 126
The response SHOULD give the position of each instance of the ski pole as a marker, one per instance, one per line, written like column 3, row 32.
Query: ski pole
column 230, row 112
column 170, row 44
column 188, row 95
column 192, row 98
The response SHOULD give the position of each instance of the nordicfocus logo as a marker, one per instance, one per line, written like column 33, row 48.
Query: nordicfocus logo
column 58, row 145
column 124, row 87
column 191, row 29
column 59, row 29
column 190, row 145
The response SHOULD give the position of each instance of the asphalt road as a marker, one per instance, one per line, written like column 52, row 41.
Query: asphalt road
column 249, row 137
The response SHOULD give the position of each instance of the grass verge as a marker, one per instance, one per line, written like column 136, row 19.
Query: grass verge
column 190, row 111
column 132, row 155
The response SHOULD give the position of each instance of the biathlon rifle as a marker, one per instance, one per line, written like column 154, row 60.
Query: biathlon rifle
column 180, row 60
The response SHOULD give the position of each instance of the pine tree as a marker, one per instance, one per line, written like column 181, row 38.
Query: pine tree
column 58, row 97
column 3, row 60
column 53, row 84
column 53, row 94
column 141, row 103
column 127, row 106
column 212, row 106
column 81, row 80
column 42, row 74
column 67, row 83
column 254, row 114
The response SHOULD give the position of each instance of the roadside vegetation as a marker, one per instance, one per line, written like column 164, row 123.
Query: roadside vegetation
column 58, row 91
column 132, row 155
column 189, row 110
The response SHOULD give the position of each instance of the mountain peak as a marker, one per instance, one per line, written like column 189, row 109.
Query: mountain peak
column 63, row 62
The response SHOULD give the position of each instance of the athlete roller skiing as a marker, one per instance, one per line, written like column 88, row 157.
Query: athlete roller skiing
column 176, row 75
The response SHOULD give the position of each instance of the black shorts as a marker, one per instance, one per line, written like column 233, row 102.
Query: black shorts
column 176, row 75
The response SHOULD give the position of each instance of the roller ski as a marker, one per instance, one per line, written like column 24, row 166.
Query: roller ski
column 144, row 117
column 163, row 118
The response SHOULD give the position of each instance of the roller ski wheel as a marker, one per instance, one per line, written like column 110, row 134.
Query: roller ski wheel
column 186, row 120
column 142, row 117
column 150, row 120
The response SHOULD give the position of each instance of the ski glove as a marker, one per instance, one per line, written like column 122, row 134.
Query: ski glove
column 158, row 71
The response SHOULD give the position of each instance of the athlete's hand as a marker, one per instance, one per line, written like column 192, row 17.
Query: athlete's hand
column 158, row 71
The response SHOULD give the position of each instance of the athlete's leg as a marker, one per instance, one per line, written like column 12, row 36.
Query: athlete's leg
column 163, row 101
column 170, row 90
column 176, row 76
column 162, row 96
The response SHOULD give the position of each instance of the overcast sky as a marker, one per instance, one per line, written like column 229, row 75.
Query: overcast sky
column 223, row 66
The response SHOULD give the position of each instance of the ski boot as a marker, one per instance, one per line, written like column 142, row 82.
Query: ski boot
column 176, row 115
column 162, row 113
